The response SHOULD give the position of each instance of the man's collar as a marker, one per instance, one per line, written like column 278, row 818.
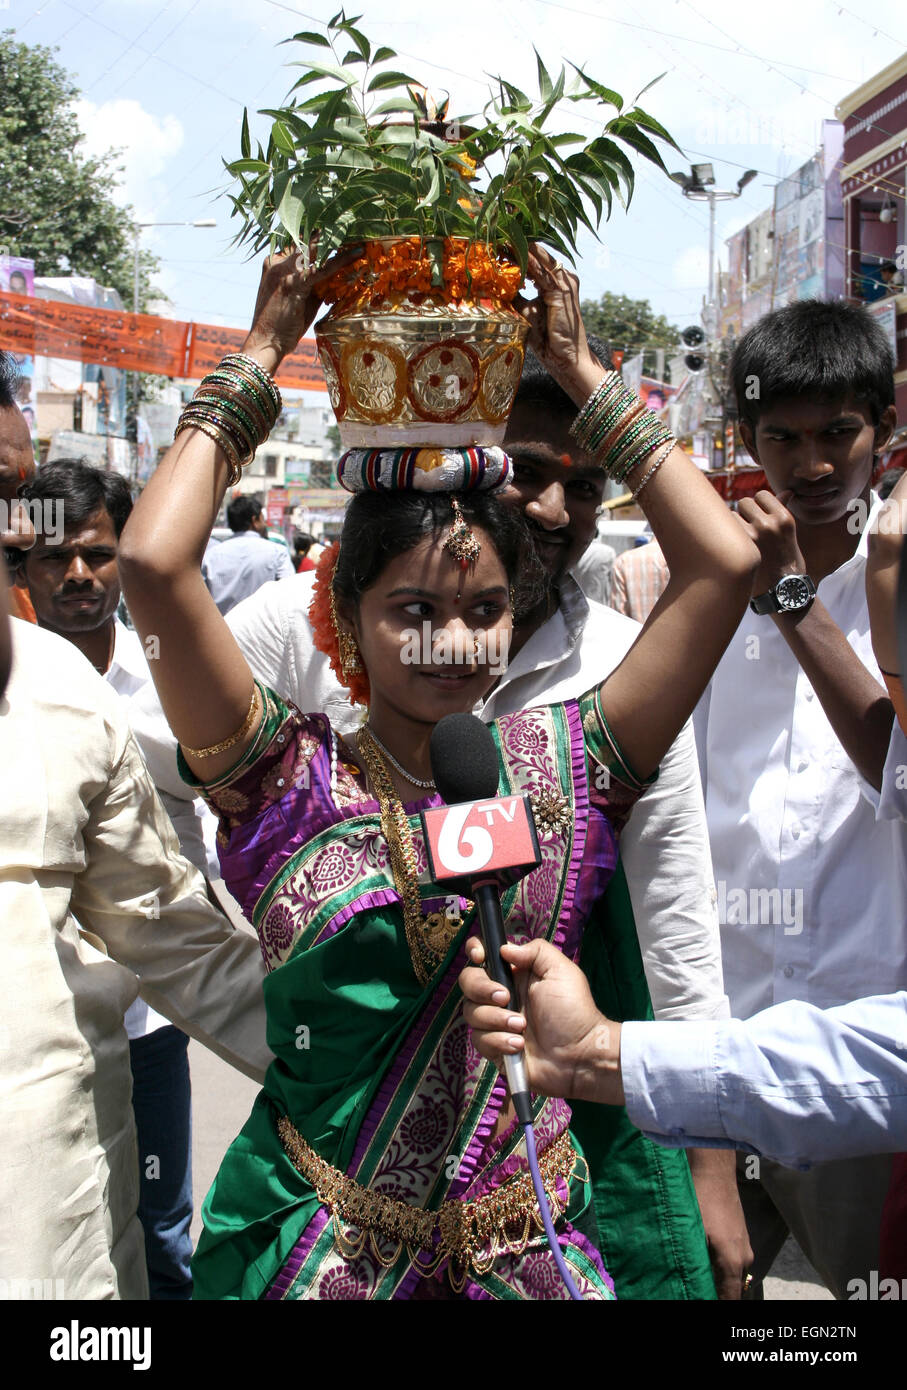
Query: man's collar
column 127, row 651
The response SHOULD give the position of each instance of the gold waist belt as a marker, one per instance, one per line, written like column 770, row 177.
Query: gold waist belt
column 469, row 1234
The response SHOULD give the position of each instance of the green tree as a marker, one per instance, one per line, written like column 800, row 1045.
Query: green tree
column 629, row 325
column 56, row 204
column 332, row 438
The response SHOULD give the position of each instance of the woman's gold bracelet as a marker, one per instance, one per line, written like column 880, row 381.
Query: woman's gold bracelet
column 227, row 742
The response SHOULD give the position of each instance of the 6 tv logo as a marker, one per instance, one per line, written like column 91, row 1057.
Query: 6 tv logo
column 493, row 835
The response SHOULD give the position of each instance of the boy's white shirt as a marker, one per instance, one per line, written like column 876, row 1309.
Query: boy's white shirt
column 817, row 883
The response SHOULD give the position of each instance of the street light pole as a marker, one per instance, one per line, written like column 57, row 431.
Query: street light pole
column 136, row 233
column 699, row 186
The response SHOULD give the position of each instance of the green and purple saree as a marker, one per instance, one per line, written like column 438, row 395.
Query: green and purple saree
column 372, row 1166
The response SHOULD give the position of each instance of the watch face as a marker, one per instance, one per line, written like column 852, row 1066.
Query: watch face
column 793, row 592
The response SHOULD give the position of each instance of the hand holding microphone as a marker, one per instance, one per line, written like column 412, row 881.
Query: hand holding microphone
column 570, row 1048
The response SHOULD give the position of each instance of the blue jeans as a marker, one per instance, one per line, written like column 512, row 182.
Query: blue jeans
column 161, row 1099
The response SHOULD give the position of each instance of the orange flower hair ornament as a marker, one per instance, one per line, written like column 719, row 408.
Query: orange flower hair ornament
column 322, row 616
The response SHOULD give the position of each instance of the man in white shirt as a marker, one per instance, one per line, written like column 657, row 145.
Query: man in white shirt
column 558, row 653
column 812, row 893
column 238, row 566
column 71, row 577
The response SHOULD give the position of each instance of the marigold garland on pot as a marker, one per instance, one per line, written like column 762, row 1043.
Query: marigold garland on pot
column 471, row 270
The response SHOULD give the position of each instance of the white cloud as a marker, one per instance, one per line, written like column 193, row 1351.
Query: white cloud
column 147, row 142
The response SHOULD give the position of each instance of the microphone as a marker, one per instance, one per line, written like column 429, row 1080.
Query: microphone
column 476, row 843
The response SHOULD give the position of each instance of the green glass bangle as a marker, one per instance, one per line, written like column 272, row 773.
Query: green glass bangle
column 625, row 442
column 604, row 389
column 245, row 453
column 245, row 418
column 602, row 427
column 631, row 417
column 243, row 362
column 240, row 378
column 603, row 421
column 250, row 391
column 643, row 449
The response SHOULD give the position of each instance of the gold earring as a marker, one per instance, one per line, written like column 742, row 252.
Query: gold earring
column 348, row 651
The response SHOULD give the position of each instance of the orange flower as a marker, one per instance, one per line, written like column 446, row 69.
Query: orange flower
column 469, row 270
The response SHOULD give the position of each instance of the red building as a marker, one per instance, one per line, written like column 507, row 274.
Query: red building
column 874, row 186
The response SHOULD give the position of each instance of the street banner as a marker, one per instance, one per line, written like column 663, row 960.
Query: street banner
column 208, row 344
column 136, row 342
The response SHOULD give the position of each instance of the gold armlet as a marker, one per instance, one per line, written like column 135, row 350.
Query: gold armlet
column 233, row 739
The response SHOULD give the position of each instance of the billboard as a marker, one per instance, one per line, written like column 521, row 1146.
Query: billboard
column 17, row 276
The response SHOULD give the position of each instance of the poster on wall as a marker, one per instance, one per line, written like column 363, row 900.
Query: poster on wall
column 885, row 315
column 17, row 276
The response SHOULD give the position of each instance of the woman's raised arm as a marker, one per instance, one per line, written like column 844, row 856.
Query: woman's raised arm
column 202, row 678
column 649, row 697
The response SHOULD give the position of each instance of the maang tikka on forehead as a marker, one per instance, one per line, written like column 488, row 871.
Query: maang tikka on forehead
column 462, row 543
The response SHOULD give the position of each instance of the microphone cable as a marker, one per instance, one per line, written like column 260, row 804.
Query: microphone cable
column 542, row 1199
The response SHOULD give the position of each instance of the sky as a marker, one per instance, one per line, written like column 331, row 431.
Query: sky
column 164, row 82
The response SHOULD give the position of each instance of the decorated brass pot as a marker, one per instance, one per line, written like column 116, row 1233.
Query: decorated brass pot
column 412, row 367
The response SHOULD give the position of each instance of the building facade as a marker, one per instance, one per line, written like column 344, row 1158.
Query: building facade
column 874, row 188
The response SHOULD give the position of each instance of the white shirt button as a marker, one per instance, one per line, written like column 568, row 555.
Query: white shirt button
column 810, row 694
column 788, row 971
column 803, row 764
column 795, row 832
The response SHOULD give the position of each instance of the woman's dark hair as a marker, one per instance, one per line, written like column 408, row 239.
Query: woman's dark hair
column 379, row 526
column 815, row 350
column 82, row 489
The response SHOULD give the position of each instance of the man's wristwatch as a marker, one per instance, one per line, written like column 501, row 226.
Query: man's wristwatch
column 792, row 594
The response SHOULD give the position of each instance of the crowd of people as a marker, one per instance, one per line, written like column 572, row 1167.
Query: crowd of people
column 709, row 952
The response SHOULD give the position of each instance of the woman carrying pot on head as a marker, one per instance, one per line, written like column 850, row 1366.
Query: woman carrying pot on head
column 382, row 1159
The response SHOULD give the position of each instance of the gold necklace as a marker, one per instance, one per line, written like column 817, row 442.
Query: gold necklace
column 427, row 936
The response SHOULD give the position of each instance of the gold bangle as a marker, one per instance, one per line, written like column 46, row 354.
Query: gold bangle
column 227, row 742
column 221, row 439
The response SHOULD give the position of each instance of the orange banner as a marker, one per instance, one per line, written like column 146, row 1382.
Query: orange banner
column 301, row 370
column 135, row 342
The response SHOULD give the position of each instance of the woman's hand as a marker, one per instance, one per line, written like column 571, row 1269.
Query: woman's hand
column 288, row 300
column 571, row 1049
column 556, row 332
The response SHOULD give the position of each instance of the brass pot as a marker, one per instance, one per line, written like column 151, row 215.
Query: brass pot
column 419, row 370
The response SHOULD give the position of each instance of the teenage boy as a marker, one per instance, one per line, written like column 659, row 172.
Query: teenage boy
column 812, row 892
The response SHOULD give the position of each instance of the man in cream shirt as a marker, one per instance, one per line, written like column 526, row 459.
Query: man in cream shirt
column 85, row 837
